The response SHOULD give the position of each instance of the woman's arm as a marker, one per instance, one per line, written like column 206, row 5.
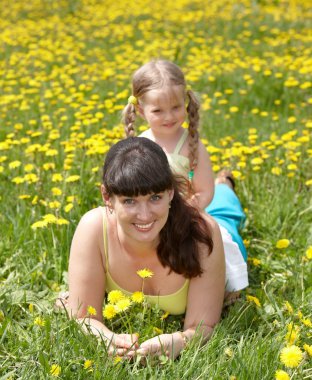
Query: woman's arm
column 87, row 280
column 206, row 293
column 203, row 180
column 204, row 306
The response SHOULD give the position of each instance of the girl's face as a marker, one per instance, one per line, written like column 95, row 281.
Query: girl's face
column 164, row 109
column 141, row 218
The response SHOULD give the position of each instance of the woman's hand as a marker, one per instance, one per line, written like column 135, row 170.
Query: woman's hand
column 165, row 344
column 120, row 344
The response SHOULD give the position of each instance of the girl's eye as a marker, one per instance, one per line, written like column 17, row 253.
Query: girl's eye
column 128, row 201
column 156, row 111
column 155, row 197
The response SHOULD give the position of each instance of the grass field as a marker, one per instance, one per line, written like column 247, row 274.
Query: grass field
column 65, row 69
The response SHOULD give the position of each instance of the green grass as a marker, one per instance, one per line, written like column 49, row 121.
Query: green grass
column 65, row 69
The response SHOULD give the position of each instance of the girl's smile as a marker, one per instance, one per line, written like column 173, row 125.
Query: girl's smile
column 164, row 109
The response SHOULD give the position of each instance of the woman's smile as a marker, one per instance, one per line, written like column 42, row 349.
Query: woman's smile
column 144, row 227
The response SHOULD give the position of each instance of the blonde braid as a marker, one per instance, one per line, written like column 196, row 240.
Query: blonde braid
column 193, row 116
column 128, row 118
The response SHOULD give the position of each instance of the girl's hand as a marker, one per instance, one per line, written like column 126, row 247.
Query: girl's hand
column 165, row 344
column 120, row 344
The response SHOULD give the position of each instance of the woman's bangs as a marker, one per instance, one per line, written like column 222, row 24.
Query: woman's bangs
column 131, row 183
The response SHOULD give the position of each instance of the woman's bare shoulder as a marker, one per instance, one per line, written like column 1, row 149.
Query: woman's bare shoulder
column 92, row 220
column 213, row 225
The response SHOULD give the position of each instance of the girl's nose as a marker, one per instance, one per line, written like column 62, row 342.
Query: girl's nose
column 168, row 116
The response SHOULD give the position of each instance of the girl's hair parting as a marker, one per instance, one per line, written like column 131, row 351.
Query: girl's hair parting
column 155, row 75
column 138, row 166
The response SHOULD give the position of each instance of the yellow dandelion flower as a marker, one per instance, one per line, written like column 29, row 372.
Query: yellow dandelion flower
column 257, row 161
column 18, row 180
column 236, row 174
column 165, row 315
column 282, row 243
column 228, row 352
column 55, row 370
column 157, row 330
column 29, row 167
column 39, row 224
column 281, row 375
column 256, row 262
column 72, row 178
column 246, row 243
column 292, row 333
column 307, row 322
column 117, row 359
column 50, row 218
column 308, row 349
column 145, row 273
column 109, row 311
column 137, row 297
column 288, row 307
column 291, row 356
column 123, row 305
column 57, row 177
column 68, row 207
column 38, row 321
column 114, row 296
column 56, row 191
column 48, row 166
column 276, row 171
column 234, row 109
column 61, row 221
column 308, row 182
column 54, row 204
column 309, row 252
column 91, row 310
column 253, row 299
column 292, row 167
column 87, row 364
column 291, row 119
column 14, row 164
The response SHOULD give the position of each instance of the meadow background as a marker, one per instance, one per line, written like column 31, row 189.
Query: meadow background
column 65, row 69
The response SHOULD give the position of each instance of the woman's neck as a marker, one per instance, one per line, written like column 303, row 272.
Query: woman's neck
column 135, row 248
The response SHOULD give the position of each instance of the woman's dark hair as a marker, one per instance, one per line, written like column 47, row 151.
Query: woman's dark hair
column 138, row 166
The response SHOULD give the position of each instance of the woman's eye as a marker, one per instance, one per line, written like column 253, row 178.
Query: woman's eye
column 155, row 197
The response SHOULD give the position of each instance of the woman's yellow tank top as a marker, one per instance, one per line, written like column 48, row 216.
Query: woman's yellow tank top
column 173, row 303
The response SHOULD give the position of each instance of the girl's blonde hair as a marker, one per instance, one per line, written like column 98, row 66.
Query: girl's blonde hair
column 155, row 75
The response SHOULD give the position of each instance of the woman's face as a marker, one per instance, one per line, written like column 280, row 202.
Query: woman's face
column 141, row 218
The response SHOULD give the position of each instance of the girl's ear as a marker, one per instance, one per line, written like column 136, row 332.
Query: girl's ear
column 141, row 111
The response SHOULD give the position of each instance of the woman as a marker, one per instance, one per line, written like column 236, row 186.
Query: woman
column 146, row 224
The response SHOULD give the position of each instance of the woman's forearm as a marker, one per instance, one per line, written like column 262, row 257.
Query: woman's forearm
column 204, row 331
column 95, row 327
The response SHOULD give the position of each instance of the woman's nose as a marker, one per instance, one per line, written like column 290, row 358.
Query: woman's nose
column 144, row 212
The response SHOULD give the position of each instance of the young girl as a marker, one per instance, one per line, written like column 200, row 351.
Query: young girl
column 160, row 96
